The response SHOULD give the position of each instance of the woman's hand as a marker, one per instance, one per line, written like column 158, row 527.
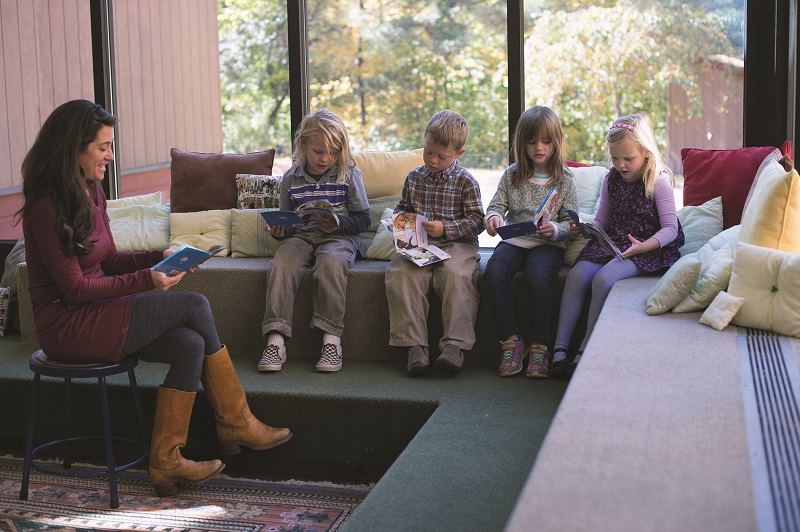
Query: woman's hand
column 492, row 224
column 433, row 228
column 276, row 231
column 164, row 282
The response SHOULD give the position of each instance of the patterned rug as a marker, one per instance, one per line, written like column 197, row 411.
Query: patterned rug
column 223, row 503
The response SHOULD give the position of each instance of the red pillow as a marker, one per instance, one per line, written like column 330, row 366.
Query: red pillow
column 575, row 164
column 727, row 173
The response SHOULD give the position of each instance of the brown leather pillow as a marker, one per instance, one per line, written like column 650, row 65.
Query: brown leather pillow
column 207, row 181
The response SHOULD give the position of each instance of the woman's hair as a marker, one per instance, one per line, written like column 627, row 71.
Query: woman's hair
column 330, row 129
column 51, row 170
column 637, row 129
column 535, row 123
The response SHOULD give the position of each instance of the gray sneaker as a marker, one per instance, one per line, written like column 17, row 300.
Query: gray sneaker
column 331, row 358
column 273, row 358
column 418, row 361
column 451, row 358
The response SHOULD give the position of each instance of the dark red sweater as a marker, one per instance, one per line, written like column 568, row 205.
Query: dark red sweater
column 81, row 305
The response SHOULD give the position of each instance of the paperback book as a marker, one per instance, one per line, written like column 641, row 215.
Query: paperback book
column 312, row 211
column 411, row 240
column 596, row 233
column 544, row 214
column 185, row 258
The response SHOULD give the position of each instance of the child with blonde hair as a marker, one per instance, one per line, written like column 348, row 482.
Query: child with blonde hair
column 449, row 196
column 637, row 210
column 539, row 167
column 323, row 169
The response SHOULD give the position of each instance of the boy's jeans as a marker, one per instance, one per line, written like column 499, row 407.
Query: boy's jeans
column 331, row 256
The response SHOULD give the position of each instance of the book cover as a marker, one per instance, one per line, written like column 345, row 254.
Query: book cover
column 286, row 219
column 543, row 215
column 596, row 233
column 185, row 258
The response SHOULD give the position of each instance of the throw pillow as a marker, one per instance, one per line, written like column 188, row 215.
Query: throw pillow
column 248, row 238
column 700, row 224
column 258, row 191
column 774, row 155
column 154, row 198
column 714, row 278
column 773, row 217
column 140, row 227
column 5, row 309
column 201, row 229
column 728, row 236
column 588, row 182
column 382, row 247
column 207, row 181
column 674, row 285
column 377, row 207
column 769, row 282
column 727, row 173
column 384, row 172
column 721, row 311
column 15, row 257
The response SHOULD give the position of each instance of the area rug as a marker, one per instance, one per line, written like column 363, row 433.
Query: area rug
column 223, row 503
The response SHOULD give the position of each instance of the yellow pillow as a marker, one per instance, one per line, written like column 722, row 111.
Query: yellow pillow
column 384, row 172
column 772, row 219
column 201, row 229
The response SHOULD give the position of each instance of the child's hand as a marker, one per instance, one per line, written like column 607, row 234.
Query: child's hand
column 328, row 225
column 546, row 231
column 574, row 230
column 492, row 224
column 433, row 228
column 276, row 231
column 637, row 246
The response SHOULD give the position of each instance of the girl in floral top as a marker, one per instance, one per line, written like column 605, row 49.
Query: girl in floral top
column 637, row 210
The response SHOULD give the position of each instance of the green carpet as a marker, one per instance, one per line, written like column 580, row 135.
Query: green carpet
column 223, row 503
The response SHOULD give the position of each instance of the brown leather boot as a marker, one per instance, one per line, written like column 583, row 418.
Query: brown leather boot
column 236, row 425
column 171, row 424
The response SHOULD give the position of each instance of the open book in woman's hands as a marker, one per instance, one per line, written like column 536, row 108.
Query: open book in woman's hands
column 184, row 259
column 596, row 233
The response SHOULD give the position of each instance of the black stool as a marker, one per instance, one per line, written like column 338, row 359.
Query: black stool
column 40, row 365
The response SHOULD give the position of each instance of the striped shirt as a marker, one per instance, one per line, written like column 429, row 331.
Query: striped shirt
column 452, row 196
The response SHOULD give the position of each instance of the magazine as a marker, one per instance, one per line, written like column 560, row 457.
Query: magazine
column 185, row 258
column 596, row 233
column 411, row 240
column 543, row 215
column 312, row 211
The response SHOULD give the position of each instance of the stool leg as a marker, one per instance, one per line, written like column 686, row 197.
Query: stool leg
column 112, row 470
column 139, row 412
column 26, row 466
column 67, row 463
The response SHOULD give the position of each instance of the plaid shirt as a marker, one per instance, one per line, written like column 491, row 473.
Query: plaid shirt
column 452, row 196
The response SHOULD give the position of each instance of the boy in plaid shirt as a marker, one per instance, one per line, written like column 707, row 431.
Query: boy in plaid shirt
column 449, row 196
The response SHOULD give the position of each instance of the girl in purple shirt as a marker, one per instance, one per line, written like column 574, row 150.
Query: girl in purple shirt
column 637, row 210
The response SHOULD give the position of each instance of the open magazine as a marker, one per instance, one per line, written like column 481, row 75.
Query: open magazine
column 311, row 211
column 411, row 240
column 543, row 215
column 595, row 232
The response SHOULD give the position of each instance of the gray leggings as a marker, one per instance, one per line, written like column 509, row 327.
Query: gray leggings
column 175, row 328
column 583, row 276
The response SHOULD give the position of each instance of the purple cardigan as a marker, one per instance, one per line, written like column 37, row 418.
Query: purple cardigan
column 81, row 305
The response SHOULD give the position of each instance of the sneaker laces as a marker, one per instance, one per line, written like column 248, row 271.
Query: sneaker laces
column 272, row 355
column 330, row 355
column 537, row 356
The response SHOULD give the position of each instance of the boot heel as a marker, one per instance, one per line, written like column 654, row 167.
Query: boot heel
column 230, row 447
column 166, row 489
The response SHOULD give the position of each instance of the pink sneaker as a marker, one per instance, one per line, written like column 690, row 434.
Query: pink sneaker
column 539, row 362
column 513, row 355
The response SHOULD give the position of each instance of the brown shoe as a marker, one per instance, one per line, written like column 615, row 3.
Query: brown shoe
column 418, row 360
column 451, row 358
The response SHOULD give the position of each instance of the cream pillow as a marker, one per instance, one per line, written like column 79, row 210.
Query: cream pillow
column 774, row 155
column 154, row 198
column 772, row 219
column 700, row 224
column 384, row 172
column 248, row 238
column 588, row 182
column 769, row 282
column 673, row 286
column 382, row 247
column 721, row 311
column 714, row 277
column 140, row 227
column 728, row 236
column 201, row 229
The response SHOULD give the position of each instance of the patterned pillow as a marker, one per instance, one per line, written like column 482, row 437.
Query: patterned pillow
column 258, row 191
column 248, row 238
column 5, row 310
